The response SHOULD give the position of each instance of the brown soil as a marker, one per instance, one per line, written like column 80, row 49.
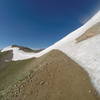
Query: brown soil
column 57, row 78
column 95, row 30
column 27, row 49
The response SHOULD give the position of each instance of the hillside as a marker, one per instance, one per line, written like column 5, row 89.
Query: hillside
column 53, row 76
column 21, row 52
column 26, row 49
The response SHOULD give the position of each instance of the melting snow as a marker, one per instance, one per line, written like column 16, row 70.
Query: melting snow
column 18, row 54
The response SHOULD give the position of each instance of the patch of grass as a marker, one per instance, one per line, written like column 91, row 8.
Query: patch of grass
column 13, row 72
column 3, row 54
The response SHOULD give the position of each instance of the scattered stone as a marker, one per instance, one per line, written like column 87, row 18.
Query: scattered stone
column 84, row 79
column 90, row 91
column 95, row 93
column 42, row 82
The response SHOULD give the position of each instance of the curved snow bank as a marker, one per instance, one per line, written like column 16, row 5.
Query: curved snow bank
column 73, row 35
column 18, row 54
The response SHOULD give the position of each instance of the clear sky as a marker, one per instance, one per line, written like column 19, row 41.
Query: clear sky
column 40, row 23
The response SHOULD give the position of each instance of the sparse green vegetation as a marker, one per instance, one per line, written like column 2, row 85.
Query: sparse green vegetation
column 4, row 57
column 12, row 72
column 3, row 54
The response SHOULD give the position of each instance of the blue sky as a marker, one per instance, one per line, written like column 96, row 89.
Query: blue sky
column 40, row 23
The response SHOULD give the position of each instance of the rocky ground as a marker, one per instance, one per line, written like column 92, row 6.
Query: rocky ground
column 54, row 77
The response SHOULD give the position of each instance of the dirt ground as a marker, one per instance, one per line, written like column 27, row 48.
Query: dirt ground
column 95, row 30
column 58, row 78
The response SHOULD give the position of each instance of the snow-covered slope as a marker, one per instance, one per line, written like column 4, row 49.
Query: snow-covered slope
column 70, row 39
column 18, row 54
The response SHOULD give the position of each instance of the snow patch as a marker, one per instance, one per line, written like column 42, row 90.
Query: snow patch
column 7, row 49
column 18, row 54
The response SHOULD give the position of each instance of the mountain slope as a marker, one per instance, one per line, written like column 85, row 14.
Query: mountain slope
column 20, row 52
column 82, row 46
column 71, row 38
column 26, row 49
column 55, row 77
